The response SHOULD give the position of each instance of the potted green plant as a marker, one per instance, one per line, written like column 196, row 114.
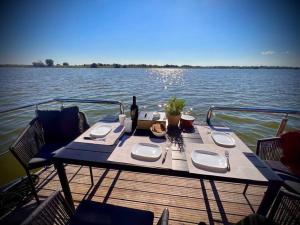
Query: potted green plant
column 173, row 110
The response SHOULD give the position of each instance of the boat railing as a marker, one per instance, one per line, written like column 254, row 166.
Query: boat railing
column 281, row 128
column 64, row 100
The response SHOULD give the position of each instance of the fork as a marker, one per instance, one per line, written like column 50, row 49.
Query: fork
column 227, row 156
column 165, row 156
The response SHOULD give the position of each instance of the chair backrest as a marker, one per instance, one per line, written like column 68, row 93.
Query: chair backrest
column 63, row 125
column 269, row 149
column 59, row 126
column 286, row 209
column 28, row 143
column 53, row 211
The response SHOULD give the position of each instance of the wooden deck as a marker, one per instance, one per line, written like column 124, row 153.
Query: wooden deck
column 189, row 200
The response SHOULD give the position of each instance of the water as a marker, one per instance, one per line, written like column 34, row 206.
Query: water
column 200, row 88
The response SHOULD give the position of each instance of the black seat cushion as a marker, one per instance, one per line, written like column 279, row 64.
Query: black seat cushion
column 50, row 120
column 93, row 213
column 292, row 186
column 291, row 180
column 45, row 154
column 277, row 166
column 69, row 123
column 59, row 126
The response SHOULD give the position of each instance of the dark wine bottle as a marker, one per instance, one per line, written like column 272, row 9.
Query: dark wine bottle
column 134, row 112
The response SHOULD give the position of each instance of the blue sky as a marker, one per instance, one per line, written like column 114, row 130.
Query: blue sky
column 195, row 32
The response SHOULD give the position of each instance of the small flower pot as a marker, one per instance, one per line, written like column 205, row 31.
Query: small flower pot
column 173, row 121
column 186, row 121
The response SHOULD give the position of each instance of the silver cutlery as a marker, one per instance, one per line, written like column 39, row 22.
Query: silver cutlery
column 94, row 139
column 227, row 156
column 165, row 155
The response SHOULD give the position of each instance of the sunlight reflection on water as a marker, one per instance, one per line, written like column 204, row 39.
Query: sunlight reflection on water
column 168, row 77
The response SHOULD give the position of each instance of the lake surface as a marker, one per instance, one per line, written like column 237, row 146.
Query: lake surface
column 200, row 88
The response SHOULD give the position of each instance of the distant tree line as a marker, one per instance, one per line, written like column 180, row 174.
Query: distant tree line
column 115, row 65
column 38, row 64
column 50, row 63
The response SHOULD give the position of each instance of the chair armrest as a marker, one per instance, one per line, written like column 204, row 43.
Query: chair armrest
column 54, row 208
column 164, row 218
column 269, row 148
column 28, row 143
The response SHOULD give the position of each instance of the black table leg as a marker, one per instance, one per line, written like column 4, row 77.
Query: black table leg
column 269, row 198
column 64, row 183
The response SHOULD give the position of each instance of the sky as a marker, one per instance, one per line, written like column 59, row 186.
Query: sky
column 194, row 32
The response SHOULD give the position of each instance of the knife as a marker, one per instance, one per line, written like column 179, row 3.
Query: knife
column 165, row 155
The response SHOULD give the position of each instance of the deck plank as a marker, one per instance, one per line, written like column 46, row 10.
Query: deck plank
column 189, row 200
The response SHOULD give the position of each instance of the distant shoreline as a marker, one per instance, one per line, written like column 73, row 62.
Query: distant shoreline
column 120, row 66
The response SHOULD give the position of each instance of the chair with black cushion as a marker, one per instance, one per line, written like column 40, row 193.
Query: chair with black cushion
column 270, row 150
column 56, row 211
column 286, row 209
column 45, row 135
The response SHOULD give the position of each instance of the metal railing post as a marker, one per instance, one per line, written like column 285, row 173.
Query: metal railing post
column 282, row 125
column 208, row 115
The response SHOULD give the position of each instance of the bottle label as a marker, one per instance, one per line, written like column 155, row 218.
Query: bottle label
column 133, row 114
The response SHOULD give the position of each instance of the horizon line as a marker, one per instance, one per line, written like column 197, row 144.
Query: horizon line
column 143, row 65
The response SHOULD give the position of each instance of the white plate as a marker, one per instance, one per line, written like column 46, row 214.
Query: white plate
column 223, row 139
column 209, row 161
column 146, row 152
column 100, row 131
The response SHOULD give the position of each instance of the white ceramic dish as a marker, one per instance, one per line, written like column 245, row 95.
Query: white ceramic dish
column 161, row 134
column 100, row 131
column 155, row 116
column 158, row 134
column 146, row 152
column 209, row 161
column 223, row 139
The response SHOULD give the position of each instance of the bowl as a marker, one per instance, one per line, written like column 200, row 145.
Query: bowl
column 158, row 129
column 155, row 116
column 187, row 121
